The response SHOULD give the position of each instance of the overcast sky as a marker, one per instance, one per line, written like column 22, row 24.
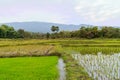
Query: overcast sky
column 94, row 12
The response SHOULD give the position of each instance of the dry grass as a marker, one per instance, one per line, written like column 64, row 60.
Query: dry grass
column 26, row 50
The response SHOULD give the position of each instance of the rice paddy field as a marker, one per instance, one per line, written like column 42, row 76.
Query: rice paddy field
column 29, row 68
column 95, row 59
column 101, row 67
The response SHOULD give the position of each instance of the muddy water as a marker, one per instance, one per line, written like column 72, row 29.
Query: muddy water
column 61, row 67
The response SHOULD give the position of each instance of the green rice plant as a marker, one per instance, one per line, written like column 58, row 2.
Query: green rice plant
column 100, row 67
column 93, row 50
column 29, row 68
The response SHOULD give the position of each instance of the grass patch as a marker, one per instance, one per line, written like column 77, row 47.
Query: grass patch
column 66, row 42
column 74, row 71
column 29, row 68
column 92, row 50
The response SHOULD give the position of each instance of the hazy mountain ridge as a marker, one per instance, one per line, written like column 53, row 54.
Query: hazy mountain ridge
column 43, row 27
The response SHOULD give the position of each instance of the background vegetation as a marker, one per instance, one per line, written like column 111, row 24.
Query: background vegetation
column 90, row 32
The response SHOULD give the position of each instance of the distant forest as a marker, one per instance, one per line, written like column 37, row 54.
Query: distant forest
column 84, row 32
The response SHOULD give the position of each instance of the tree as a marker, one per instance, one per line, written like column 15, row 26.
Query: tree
column 21, row 33
column 7, row 32
column 48, row 35
column 10, row 32
column 54, row 28
column 57, row 28
column 83, row 32
column 2, row 32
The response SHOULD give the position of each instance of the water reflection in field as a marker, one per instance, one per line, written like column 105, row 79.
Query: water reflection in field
column 100, row 66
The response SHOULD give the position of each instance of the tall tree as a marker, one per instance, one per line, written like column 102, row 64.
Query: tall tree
column 54, row 28
column 21, row 33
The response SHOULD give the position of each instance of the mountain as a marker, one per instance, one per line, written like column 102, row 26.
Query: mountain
column 42, row 27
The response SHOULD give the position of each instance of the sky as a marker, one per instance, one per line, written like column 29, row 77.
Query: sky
column 93, row 12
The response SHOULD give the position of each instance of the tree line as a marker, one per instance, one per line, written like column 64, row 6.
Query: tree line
column 9, row 32
column 84, row 32
column 89, row 32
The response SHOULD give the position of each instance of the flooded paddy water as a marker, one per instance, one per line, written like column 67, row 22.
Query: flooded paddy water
column 100, row 66
column 61, row 67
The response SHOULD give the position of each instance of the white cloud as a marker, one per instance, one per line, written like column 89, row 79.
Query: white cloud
column 61, row 11
column 98, row 10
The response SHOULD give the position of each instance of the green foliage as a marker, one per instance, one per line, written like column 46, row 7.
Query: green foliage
column 21, row 33
column 10, row 32
column 29, row 68
column 48, row 35
column 7, row 32
column 54, row 28
column 91, row 32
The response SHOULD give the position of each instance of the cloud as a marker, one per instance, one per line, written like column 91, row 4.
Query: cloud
column 98, row 10
column 61, row 11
